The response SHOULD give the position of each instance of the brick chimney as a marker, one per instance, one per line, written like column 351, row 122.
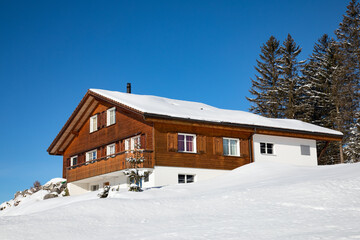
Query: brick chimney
column 128, row 88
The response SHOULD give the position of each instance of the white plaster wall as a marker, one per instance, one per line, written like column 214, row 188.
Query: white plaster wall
column 169, row 175
column 77, row 188
column 114, row 178
column 286, row 150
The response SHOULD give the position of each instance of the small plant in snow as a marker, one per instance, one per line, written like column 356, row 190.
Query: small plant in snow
column 135, row 175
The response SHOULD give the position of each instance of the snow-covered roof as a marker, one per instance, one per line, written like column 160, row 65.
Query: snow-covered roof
column 202, row 112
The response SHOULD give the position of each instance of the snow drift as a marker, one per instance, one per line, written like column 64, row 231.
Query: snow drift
column 256, row 201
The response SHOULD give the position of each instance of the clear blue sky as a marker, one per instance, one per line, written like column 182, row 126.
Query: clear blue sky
column 51, row 52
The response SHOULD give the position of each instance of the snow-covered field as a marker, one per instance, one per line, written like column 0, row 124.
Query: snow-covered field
column 257, row 201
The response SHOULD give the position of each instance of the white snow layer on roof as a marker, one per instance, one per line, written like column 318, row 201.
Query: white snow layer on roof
column 204, row 112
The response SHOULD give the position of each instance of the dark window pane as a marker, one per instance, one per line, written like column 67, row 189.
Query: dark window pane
column 189, row 143
column 262, row 148
column 181, row 178
column 226, row 147
column 189, row 178
column 181, row 145
column 270, row 148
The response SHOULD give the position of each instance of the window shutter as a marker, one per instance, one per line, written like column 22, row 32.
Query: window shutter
column 172, row 142
column 218, row 146
column 201, row 143
column 98, row 121
column 143, row 141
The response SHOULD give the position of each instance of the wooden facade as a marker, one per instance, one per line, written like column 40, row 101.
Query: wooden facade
column 158, row 136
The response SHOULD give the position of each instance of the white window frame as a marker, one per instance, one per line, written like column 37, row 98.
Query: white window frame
column 266, row 148
column 130, row 143
column 237, row 147
column 194, row 143
column 186, row 174
column 109, row 120
column 88, row 155
column 108, row 148
column 93, row 121
column 72, row 160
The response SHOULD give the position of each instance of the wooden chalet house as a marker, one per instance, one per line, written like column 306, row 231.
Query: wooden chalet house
column 183, row 141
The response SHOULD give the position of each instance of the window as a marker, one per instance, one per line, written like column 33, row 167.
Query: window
column 266, row 148
column 231, row 147
column 73, row 160
column 93, row 123
column 132, row 143
column 186, row 178
column 94, row 187
column 305, row 150
column 146, row 176
column 110, row 116
column 110, row 150
column 90, row 156
column 187, row 142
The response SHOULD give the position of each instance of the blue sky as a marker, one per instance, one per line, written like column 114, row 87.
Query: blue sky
column 51, row 52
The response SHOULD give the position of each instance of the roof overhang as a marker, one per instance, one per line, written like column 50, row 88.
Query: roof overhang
column 77, row 119
column 255, row 128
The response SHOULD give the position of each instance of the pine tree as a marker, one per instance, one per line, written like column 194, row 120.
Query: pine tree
column 135, row 159
column 265, row 87
column 290, row 81
column 323, row 80
column 352, row 149
column 348, row 35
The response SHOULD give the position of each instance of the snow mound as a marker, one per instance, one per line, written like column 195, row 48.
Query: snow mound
column 53, row 188
column 256, row 201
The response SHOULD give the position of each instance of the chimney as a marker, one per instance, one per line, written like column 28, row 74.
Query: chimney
column 128, row 88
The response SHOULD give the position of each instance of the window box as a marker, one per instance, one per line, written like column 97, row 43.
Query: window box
column 186, row 142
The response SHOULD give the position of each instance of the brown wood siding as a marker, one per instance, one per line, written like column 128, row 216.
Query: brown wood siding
column 166, row 146
column 127, row 125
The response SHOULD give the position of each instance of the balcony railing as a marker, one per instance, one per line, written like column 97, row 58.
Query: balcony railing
column 107, row 164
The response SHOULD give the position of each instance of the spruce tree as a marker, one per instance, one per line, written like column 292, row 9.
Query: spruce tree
column 348, row 35
column 265, row 87
column 323, row 80
column 290, row 81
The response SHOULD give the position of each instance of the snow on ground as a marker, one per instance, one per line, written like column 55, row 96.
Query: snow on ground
column 257, row 201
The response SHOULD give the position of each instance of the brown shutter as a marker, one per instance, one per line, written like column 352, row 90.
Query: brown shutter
column 172, row 142
column 218, row 146
column 98, row 121
column 68, row 162
column 81, row 158
column 201, row 143
column 143, row 141
column 103, row 122
column 117, row 147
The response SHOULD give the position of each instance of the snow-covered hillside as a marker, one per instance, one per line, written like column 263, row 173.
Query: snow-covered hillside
column 257, row 201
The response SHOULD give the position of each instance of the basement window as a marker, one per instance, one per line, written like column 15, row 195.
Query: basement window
column 93, row 123
column 305, row 150
column 94, row 187
column 110, row 116
column 267, row 148
column 186, row 178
